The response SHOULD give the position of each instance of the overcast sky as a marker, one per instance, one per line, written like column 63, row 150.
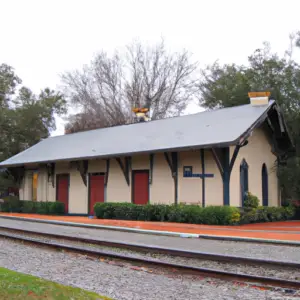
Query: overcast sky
column 43, row 38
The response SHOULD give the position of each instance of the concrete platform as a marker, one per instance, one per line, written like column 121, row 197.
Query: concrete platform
column 285, row 233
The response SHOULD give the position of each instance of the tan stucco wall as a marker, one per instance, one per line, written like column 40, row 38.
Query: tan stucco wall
column 78, row 193
column 117, row 188
column 97, row 166
column 42, row 185
column 140, row 162
column 256, row 153
column 23, row 188
column 162, row 187
column 189, row 189
column 213, row 186
column 26, row 191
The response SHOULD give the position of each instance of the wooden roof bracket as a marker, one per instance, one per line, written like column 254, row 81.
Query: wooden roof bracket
column 125, row 167
column 173, row 165
column 172, row 162
column 82, row 168
column 217, row 158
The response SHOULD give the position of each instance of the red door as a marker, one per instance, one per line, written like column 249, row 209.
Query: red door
column 140, row 187
column 96, row 186
column 62, row 186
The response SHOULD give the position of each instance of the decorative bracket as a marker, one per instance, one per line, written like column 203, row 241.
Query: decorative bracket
column 234, row 156
column 173, row 164
column 218, row 159
column 125, row 167
column 82, row 168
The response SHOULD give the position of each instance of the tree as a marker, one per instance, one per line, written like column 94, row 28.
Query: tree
column 228, row 85
column 25, row 118
column 8, row 83
column 108, row 89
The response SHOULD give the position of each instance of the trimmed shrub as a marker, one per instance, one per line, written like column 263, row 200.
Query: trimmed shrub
column 221, row 215
column 213, row 215
column 210, row 215
column 13, row 204
column 28, row 207
column 267, row 214
column 56, row 208
column 158, row 212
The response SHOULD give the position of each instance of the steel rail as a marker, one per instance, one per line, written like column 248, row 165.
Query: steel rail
column 267, row 281
column 161, row 250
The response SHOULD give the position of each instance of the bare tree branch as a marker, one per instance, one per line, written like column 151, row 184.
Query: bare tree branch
column 108, row 89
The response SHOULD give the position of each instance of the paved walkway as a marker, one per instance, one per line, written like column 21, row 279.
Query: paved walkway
column 280, row 231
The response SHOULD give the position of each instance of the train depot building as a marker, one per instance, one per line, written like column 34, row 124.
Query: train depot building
column 208, row 158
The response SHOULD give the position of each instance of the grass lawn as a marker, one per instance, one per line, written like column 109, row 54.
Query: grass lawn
column 14, row 285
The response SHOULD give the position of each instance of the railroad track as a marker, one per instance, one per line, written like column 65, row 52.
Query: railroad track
column 38, row 238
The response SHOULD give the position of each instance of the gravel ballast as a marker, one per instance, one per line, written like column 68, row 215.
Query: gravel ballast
column 122, row 282
column 256, row 270
column 242, row 249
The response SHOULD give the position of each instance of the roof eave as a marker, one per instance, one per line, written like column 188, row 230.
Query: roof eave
column 195, row 147
column 237, row 141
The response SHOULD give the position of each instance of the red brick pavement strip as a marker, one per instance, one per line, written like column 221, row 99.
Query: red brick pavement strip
column 273, row 231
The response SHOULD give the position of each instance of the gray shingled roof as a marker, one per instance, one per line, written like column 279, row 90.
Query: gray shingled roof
column 216, row 127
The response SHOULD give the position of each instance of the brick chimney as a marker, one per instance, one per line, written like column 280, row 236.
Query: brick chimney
column 259, row 98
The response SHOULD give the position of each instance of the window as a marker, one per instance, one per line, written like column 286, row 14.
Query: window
column 244, row 180
column 265, row 186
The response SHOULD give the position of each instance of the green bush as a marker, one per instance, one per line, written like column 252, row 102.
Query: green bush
column 28, row 207
column 211, row 215
column 13, row 204
column 251, row 201
column 220, row 215
column 214, row 215
column 56, row 208
column 267, row 214
column 296, row 206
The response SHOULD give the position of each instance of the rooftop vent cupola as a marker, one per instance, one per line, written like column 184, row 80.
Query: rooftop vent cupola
column 259, row 98
column 141, row 114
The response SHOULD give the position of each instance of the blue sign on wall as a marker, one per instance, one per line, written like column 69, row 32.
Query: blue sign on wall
column 198, row 175
column 188, row 172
